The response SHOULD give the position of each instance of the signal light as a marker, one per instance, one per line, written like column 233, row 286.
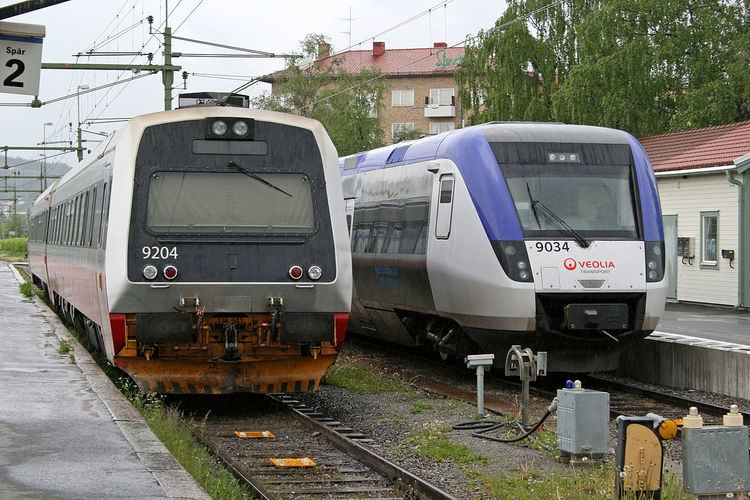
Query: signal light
column 170, row 272
column 314, row 272
column 150, row 272
column 240, row 128
column 295, row 272
column 219, row 128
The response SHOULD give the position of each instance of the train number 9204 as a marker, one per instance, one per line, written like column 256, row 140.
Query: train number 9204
column 551, row 246
column 156, row 252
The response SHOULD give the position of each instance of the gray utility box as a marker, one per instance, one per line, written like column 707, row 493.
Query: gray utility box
column 715, row 460
column 582, row 422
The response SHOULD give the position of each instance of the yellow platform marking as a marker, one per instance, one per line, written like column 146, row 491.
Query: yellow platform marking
column 293, row 462
column 254, row 434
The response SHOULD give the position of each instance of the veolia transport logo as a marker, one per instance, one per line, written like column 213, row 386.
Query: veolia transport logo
column 569, row 264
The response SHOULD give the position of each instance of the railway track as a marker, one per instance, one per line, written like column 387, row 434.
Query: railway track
column 328, row 460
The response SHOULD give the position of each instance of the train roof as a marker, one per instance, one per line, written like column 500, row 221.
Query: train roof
column 436, row 146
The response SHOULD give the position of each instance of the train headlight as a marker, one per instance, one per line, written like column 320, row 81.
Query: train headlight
column 654, row 261
column 314, row 272
column 150, row 272
column 514, row 260
column 295, row 272
column 240, row 128
column 219, row 128
column 170, row 272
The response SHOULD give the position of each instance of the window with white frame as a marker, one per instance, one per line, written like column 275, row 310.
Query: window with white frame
column 440, row 127
column 441, row 97
column 709, row 239
column 398, row 128
column 402, row 98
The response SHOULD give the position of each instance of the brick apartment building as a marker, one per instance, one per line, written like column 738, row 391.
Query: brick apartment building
column 421, row 91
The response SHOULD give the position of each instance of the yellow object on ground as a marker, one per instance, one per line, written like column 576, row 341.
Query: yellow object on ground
column 293, row 462
column 254, row 434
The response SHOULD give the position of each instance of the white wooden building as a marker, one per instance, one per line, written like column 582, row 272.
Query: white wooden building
column 705, row 198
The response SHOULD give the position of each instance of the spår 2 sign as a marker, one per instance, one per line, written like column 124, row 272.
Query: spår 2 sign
column 20, row 57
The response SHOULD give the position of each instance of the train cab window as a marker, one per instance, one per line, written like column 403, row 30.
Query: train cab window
column 230, row 202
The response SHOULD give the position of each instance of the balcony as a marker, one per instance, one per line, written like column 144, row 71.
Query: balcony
column 440, row 112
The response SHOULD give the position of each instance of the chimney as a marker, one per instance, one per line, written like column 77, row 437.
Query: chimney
column 324, row 50
column 440, row 45
column 378, row 48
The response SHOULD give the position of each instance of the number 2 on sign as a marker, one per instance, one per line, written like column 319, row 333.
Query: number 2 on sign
column 20, row 66
column 156, row 252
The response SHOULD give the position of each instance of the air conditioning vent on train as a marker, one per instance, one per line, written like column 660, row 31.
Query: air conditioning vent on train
column 591, row 283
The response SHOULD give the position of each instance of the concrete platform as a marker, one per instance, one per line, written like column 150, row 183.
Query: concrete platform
column 65, row 430
column 695, row 347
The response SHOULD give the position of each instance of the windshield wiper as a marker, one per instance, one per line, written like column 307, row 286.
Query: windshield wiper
column 582, row 242
column 258, row 178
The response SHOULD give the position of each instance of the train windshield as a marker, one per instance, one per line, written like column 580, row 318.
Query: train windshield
column 229, row 202
column 588, row 189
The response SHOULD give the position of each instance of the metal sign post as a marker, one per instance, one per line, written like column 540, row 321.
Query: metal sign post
column 20, row 57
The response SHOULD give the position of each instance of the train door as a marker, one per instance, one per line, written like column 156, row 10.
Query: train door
column 670, row 257
column 445, row 208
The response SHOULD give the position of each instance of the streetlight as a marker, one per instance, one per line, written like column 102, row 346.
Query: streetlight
column 44, row 156
column 78, row 100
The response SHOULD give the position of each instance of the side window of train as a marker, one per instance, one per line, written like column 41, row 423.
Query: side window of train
column 102, row 218
column 445, row 207
column 394, row 238
column 92, row 217
column 421, row 246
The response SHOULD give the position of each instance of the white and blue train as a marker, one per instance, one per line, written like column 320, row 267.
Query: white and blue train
column 545, row 235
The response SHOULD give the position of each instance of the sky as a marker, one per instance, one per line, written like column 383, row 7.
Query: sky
column 77, row 26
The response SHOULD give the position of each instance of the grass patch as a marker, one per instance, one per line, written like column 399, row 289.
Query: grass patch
column 421, row 406
column 357, row 379
column 174, row 430
column 27, row 289
column 577, row 484
column 65, row 347
column 13, row 248
column 432, row 441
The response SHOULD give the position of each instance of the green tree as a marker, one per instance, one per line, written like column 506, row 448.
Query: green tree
column 345, row 104
column 640, row 65
column 14, row 226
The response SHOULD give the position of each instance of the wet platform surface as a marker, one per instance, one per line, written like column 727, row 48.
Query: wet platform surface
column 695, row 347
column 58, row 436
column 714, row 323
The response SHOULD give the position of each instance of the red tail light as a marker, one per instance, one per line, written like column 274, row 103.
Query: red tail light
column 117, row 324
column 170, row 272
column 295, row 272
column 340, row 324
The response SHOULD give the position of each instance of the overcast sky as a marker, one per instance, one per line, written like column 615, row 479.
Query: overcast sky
column 277, row 26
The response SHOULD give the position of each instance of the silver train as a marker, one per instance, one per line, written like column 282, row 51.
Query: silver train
column 203, row 250
column 545, row 235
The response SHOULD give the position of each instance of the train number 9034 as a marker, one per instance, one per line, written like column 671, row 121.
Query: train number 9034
column 551, row 246
column 156, row 252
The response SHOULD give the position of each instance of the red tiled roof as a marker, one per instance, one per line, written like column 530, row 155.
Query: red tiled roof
column 396, row 62
column 698, row 148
